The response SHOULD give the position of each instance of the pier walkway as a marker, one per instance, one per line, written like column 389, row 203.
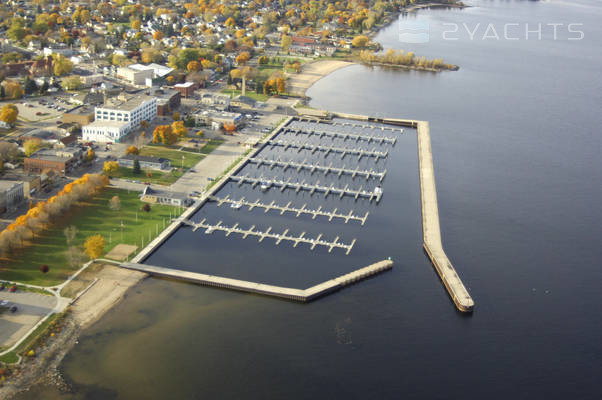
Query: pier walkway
column 430, row 223
column 329, row 149
column 210, row 228
column 303, row 295
column 342, row 135
column 322, row 168
column 287, row 208
column 312, row 188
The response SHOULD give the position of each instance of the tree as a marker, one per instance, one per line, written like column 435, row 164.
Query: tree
column 193, row 66
column 242, row 58
column 115, row 203
column 30, row 85
column 146, row 207
column 136, row 24
column 110, row 167
column 44, row 268
column 90, row 155
column 31, row 146
column 8, row 151
column 136, row 170
column 230, row 22
column 262, row 60
column 178, row 128
column 360, row 41
column 44, row 87
column 62, row 65
column 94, row 246
column 243, row 73
column 280, row 85
column 176, row 116
column 70, row 233
column 72, row 82
column 158, row 35
column 13, row 90
column 132, row 150
column 286, row 42
column 9, row 114
column 144, row 124
column 75, row 256
column 164, row 134
column 200, row 133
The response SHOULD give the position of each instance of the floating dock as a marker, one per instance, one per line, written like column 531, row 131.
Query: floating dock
column 287, row 208
column 430, row 224
column 345, row 136
column 278, row 237
column 302, row 295
column 329, row 149
column 326, row 169
column 312, row 188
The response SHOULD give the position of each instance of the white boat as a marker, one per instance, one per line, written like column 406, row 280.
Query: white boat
column 236, row 205
column 209, row 230
column 264, row 185
column 378, row 190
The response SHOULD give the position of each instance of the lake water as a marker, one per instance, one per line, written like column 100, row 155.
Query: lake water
column 516, row 144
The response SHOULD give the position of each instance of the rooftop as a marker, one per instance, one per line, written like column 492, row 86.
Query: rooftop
column 126, row 103
column 110, row 124
column 6, row 185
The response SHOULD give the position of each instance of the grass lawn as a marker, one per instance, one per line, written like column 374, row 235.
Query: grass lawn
column 158, row 177
column 90, row 218
column 250, row 93
column 175, row 156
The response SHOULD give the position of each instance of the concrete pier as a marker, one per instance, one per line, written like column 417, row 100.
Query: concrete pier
column 302, row 295
column 430, row 224
column 278, row 237
column 287, row 208
column 329, row 149
column 368, row 174
column 345, row 136
column 370, row 195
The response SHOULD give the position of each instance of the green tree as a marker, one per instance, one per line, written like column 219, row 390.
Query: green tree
column 136, row 169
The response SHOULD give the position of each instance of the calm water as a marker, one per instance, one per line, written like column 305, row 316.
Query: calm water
column 516, row 141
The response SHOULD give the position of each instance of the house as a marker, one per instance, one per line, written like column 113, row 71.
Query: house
column 119, row 116
column 11, row 195
column 145, row 162
column 165, row 197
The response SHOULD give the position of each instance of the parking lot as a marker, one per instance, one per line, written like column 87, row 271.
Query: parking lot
column 31, row 307
column 42, row 109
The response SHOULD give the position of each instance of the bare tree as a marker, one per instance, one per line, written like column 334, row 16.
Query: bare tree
column 70, row 232
column 75, row 256
column 115, row 203
column 8, row 151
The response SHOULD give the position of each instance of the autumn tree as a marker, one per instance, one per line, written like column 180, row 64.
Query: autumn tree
column 179, row 129
column 136, row 24
column 72, row 82
column 132, row 150
column 164, row 134
column 12, row 89
column 94, row 246
column 280, row 85
column 110, row 167
column 243, row 73
column 175, row 116
column 286, row 42
column 9, row 114
column 242, row 58
column 62, row 65
column 193, row 66
column 31, row 146
column 360, row 41
column 90, row 155
column 157, row 35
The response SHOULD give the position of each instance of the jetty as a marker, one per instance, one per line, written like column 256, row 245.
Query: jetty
column 302, row 295
column 430, row 224
column 303, row 210
column 278, row 237
column 326, row 169
column 312, row 188
column 329, row 149
column 341, row 135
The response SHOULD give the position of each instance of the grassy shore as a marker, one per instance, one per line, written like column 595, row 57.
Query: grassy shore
column 129, row 225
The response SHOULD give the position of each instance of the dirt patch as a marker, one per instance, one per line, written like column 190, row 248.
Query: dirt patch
column 81, row 281
column 122, row 252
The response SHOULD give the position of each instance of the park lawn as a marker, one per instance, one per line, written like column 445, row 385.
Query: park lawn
column 158, row 177
column 210, row 146
column 250, row 93
column 91, row 217
column 175, row 156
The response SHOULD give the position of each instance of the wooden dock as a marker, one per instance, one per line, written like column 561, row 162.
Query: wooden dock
column 326, row 169
column 319, row 212
column 430, row 224
column 278, row 237
column 329, row 149
column 312, row 188
column 341, row 135
column 302, row 295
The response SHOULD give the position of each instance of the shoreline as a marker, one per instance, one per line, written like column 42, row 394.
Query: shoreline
column 313, row 72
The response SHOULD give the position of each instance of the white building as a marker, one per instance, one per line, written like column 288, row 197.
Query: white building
column 118, row 117
column 134, row 76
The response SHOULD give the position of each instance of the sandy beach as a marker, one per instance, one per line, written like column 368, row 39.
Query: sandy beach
column 313, row 72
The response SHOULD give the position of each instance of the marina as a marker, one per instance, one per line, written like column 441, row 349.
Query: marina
column 329, row 149
column 368, row 174
column 344, row 136
column 287, row 208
